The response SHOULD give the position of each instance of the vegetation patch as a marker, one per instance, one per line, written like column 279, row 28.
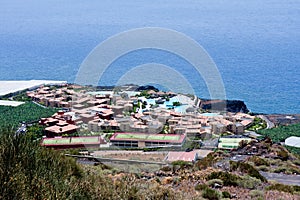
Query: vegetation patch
column 210, row 160
column 257, row 194
column 257, row 124
column 281, row 187
column 228, row 179
column 214, row 182
column 27, row 112
column 280, row 133
column 201, row 187
column 182, row 164
column 249, row 182
column 211, row 194
column 226, row 194
column 246, row 168
column 258, row 161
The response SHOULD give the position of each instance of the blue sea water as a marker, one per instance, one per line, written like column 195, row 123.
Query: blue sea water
column 255, row 44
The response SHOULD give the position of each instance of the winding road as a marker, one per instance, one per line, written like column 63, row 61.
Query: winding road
column 269, row 123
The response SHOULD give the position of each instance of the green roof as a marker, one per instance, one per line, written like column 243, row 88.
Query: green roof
column 74, row 140
column 228, row 145
column 231, row 143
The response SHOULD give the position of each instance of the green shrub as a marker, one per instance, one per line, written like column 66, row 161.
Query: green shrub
column 206, row 162
column 226, row 194
column 176, row 103
column 297, row 162
column 212, row 182
column 256, row 194
column 246, row 168
column 283, row 155
column 227, row 178
column 28, row 171
column 248, row 182
column 281, row 187
column 279, row 170
column 200, row 187
column 211, row 194
column 166, row 169
column 259, row 161
column 263, row 168
column 182, row 163
column 296, row 188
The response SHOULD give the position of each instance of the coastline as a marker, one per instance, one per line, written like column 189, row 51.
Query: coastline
column 8, row 87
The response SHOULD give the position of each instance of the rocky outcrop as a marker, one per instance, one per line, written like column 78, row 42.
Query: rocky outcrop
column 224, row 105
column 146, row 87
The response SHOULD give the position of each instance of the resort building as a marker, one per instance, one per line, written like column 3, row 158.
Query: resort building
column 61, row 129
column 232, row 142
column 73, row 142
column 134, row 140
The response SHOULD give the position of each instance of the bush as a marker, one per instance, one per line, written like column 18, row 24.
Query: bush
column 176, row 103
column 200, row 187
column 296, row 188
column 246, row 168
column 182, row 163
column 28, row 171
column 279, row 170
column 166, row 169
column 297, row 162
column 211, row 194
column 281, row 187
column 256, row 194
column 259, row 161
column 227, row 178
column 212, row 182
column 206, row 162
column 248, row 182
column 283, row 155
column 263, row 168
column 226, row 194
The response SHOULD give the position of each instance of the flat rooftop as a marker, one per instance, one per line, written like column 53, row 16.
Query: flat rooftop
column 71, row 141
column 148, row 137
column 7, row 87
column 10, row 103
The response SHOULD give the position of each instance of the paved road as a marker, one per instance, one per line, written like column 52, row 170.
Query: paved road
column 282, row 178
column 269, row 123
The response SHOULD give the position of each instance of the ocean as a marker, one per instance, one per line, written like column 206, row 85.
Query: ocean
column 255, row 44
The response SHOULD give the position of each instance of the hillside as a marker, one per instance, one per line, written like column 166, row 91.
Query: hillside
column 28, row 171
